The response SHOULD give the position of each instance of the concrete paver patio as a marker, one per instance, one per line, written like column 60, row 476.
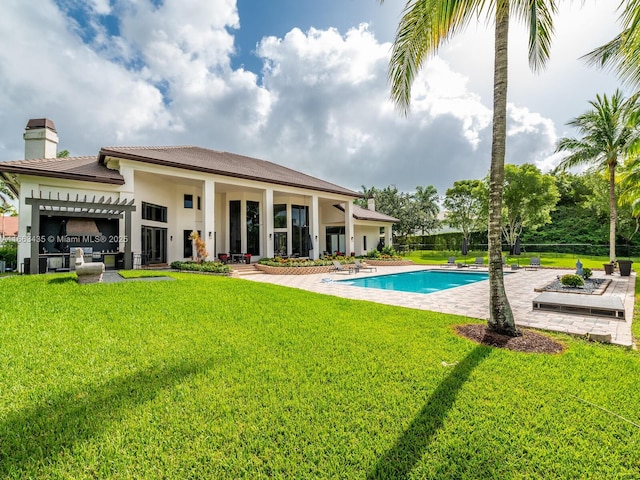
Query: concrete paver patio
column 473, row 300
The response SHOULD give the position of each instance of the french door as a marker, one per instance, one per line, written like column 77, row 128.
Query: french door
column 154, row 244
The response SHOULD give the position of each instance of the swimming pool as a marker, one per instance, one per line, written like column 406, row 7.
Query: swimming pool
column 422, row 281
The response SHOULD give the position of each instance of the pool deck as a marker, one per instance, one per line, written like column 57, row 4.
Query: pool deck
column 473, row 300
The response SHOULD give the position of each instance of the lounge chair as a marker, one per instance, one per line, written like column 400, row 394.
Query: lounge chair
column 451, row 262
column 338, row 267
column 478, row 263
column 364, row 266
column 534, row 263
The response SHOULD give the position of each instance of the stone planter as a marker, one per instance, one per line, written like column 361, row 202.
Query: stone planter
column 608, row 268
column 295, row 270
column 388, row 263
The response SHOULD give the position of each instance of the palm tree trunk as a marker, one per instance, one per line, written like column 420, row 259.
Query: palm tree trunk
column 612, row 211
column 500, row 315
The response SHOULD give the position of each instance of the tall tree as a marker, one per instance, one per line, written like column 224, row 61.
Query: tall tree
column 529, row 198
column 367, row 193
column 608, row 136
column 427, row 24
column 463, row 207
column 426, row 203
column 5, row 206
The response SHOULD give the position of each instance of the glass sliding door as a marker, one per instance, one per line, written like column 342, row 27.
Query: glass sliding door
column 300, row 240
column 235, row 227
column 280, row 244
column 154, row 245
column 253, row 228
column 336, row 239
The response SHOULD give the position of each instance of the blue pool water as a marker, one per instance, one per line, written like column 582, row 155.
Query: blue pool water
column 422, row 281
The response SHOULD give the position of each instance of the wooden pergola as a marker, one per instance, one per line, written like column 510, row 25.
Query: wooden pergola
column 85, row 207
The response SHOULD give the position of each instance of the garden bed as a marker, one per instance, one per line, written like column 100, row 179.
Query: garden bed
column 592, row 286
column 297, row 270
column 376, row 262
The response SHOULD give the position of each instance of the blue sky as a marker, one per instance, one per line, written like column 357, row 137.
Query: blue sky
column 300, row 83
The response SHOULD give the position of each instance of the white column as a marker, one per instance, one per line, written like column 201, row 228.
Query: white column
column 24, row 221
column 267, row 212
column 127, row 191
column 243, row 224
column 388, row 233
column 289, row 229
column 315, row 227
column 208, row 216
column 348, row 224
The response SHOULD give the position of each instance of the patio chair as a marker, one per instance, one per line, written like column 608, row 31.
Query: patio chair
column 534, row 263
column 450, row 263
column 364, row 266
column 478, row 263
column 338, row 267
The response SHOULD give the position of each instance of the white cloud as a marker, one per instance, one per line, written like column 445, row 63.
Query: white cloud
column 322, row 105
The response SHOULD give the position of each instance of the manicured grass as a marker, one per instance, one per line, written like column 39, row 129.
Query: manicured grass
column 213, row 377
column 142, row 273
column 557, row 260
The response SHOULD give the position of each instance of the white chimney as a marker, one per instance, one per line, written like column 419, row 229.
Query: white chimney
column 40, row 139
column 371, row 204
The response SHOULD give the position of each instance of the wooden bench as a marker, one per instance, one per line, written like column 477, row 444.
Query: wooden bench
column 595, row 305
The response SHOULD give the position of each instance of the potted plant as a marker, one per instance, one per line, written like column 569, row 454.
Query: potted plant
column 625, row 267
column 609, row 267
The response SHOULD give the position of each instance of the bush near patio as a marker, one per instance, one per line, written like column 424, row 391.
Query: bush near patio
column 571, row 280
column 215, row 377
column 388, row 253
column 300, row 262
column 203, row 266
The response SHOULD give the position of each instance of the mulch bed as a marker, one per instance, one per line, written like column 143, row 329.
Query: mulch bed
column 528, row 342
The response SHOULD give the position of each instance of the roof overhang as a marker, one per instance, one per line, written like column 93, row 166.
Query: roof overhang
column 112, row 153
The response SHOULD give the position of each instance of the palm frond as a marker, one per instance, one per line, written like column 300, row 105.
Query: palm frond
column 424, row 26
column 538, row 16
column 622, row 52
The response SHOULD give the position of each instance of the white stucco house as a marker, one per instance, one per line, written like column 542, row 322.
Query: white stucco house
column 131, row 203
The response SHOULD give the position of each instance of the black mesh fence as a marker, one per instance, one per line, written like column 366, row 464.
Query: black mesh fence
column 549, row 249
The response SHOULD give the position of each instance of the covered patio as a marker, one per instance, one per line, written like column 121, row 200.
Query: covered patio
column 87, row 208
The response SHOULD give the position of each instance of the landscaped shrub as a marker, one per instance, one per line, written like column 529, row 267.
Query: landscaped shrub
column 209, row 267
column 298, row 262
column 388, row 250
column 387, row 253
column 9, row 253
column 586, row 273
column 571, row 280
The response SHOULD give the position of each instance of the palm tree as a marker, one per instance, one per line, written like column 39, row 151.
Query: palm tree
column 5, row 206
column 607, row 137
column 427, row 24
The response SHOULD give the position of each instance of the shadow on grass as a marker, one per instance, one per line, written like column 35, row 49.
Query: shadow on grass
column 401, row 458
column 35, row 435
column 62, row 280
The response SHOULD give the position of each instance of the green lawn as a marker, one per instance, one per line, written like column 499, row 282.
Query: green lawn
column 557, row 260
column 213, row 377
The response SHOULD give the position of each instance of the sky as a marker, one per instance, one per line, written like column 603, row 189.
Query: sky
column 297, row 82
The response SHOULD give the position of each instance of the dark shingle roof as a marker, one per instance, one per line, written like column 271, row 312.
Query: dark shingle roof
column 74, row 168
column 223, row 163
column 360, row 213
